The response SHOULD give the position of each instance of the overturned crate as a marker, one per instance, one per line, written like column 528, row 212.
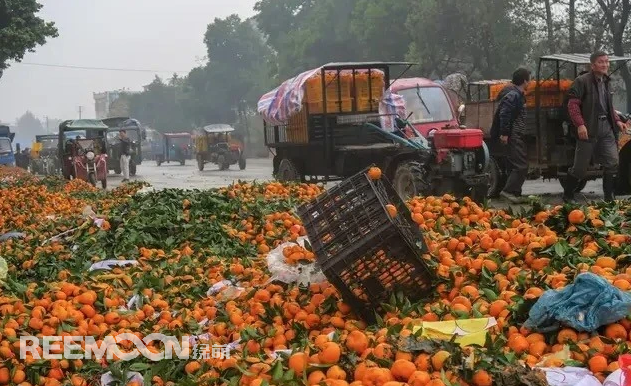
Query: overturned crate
column 363, row 251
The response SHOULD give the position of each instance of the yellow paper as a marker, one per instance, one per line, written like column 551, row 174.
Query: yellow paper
column 467, row 331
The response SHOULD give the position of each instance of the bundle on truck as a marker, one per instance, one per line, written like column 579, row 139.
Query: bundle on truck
column 331, row 122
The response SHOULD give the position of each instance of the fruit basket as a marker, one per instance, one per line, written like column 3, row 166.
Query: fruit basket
column 366, row 243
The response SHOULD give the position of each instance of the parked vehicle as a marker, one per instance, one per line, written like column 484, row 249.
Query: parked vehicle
column 214, row 144
column 7, row 157
column 349, row 117
column 83, row 150
column 45, row 155
column 549, row 136
column 136, row 135
column 174, row 147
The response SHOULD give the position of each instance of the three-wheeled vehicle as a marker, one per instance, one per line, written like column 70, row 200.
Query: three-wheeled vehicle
column 175, row 147
column 7, row 157
column 329, row 123
column 136, row 135
column 45, row 155
column 549, row 135
column 215, row 144
column 83, row 150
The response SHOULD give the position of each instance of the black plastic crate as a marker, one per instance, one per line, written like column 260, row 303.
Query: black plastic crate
column 365, row 253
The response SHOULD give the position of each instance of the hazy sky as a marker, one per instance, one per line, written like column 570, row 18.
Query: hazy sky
column 133, row 34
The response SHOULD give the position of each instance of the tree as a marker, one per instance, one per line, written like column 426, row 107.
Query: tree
column 617, row 14
column 492, row 37
column 27, row 127
column 21, row 30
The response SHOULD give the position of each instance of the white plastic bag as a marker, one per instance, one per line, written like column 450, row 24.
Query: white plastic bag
column 146, row 189
column 107, row 378
column 286, row 273
column 570, row 376
column 615, row 379
column 109, row 264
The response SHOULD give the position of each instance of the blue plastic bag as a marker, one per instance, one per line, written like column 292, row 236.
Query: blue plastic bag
column 585, row 305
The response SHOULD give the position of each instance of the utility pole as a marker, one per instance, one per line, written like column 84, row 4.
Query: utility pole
column 80, row 111
column 47, row 126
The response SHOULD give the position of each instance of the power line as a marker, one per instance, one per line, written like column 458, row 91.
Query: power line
column 98, row 68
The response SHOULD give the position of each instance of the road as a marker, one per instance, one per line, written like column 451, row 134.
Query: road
column 188, row 177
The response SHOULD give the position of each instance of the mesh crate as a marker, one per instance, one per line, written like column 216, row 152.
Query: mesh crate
column 365, row 253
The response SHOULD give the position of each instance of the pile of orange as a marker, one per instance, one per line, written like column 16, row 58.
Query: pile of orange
column 490, row 264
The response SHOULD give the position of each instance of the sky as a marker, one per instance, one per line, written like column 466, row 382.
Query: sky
column 159, row 35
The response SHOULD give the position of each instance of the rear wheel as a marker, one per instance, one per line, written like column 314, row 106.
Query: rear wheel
column 288, row 171
column 221, row 161
column 242, row 162
column 408, row 180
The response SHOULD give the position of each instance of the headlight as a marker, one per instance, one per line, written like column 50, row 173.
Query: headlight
column 90, row 155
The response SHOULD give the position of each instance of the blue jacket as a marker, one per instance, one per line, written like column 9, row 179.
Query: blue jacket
column 510, row 114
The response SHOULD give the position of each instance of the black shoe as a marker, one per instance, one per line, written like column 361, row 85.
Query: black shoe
column 571, row 183
column 609, row 187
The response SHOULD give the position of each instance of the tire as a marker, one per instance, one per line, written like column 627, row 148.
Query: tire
column 222, row 162
column 408, row 180
column 288, row 171
column 479, row 193
column 104, row 184
column 579, row 188
column 132, row 168
column 92, row 179
column 242, row 162
column 200, row 163
column 497, row 178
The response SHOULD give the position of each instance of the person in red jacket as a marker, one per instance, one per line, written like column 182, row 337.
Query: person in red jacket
column 591, row 111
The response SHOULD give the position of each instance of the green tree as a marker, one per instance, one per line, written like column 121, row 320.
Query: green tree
column 21, row 30
column 27, row 127
column 488, row 38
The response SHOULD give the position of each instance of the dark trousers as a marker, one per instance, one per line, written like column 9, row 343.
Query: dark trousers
column 603, row 148
column 518, row 162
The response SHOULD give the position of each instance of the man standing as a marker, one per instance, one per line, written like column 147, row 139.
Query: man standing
column 125, row 154
column 509, row 124
column 591, row 110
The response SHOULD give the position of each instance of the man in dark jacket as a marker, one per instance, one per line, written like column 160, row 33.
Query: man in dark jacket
column 592, row 113
column 509, row 124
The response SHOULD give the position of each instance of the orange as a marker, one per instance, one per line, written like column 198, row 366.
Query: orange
column 392, row 210
column 419, row 378
column 576, row 217
column 330, row 353
column 298, row 362
column 374, row 173
column 438, row 359
column 402, row 369
column 482, row 378
column 597, row 364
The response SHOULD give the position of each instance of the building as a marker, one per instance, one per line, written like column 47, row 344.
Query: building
column 104, row 101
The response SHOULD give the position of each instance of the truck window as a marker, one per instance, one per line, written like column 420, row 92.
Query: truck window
column 432, row 106
column 5, row 146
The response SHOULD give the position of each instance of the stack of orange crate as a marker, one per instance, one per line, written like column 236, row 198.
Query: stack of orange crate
column 336, row 99
column 369, row 94
column 551, row 92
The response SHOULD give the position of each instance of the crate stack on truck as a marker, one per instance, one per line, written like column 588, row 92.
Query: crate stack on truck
column 344, row 92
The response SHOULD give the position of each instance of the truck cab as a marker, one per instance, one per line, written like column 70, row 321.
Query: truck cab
column 7, row 157
column 428, row 103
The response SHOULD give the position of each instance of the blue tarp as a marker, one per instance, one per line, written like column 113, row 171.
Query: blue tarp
column 585, row 305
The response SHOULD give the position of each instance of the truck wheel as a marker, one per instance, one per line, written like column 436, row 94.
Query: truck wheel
column 579, row 187
column 222, row 162
column 288, row 171
column 409, row 180
column 242, row 162
column 479, row 193
column 132, row 168
column 497, row 178
column 200, row 163
column 92, row 179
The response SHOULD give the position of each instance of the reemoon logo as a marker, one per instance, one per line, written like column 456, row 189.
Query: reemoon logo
column 80, row 347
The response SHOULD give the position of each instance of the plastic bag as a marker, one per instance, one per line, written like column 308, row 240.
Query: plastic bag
column 109, row 264
column 624, row 361
column 225, row 290
column 12, row 235
column 570, row 376
column 132, row 376
column 145, row 190
column 300, row 273
column 616, row 378
column 587, row 304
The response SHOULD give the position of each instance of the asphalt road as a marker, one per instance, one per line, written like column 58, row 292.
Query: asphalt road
column 189, row 177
